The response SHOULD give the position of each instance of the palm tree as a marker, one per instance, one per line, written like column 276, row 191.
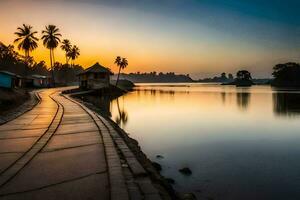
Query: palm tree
column 51, row 39
column 66, row 46
column 27, row 40
column 74, row 53
column 122, row 64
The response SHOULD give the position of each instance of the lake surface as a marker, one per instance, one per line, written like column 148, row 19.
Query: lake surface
column 240, row 143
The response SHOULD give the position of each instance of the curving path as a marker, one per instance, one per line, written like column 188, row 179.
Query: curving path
column 62, row 150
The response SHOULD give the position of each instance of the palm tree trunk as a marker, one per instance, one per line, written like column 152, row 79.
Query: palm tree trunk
column 53, row 56
column 51, row 64
column 26, row 62
column 68, row 60
column 118, row 76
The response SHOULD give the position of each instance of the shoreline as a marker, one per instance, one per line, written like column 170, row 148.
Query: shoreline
column 14, row 112
column 161, row 182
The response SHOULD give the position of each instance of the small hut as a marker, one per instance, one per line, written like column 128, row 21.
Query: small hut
column 95, row 77
column 9, row 80
column 41, row 80
column 36, row 81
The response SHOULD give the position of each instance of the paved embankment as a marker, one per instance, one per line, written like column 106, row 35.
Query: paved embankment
column 62, row 150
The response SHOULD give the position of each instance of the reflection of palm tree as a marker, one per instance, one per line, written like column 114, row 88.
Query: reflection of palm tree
column 27, row 40
column 123, row 116
column 51, row 38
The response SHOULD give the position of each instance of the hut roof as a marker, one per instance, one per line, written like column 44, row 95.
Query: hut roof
column 96, row 68
column 8, row 73
column 39, row 76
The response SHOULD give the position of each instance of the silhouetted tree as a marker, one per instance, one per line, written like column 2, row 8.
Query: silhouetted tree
column 223, row 75
column 123, row 65
column 51, row 39
column 26, row 39
column 40, row 68
column 8, row 54
column 243, row 78
column 12, row 61
column 74, row 53
column 66, row 46
column 118, row 63
column 286, row 75
column 243, row 75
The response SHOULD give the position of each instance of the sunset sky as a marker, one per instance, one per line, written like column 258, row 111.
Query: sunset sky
column 196, row 37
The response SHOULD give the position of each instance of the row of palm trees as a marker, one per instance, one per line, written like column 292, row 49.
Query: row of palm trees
column 71, row 52
column 51, row 36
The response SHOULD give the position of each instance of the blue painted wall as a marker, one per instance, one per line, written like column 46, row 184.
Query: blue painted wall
column 5, row 80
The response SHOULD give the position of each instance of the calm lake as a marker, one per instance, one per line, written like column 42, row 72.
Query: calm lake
column 240, row 143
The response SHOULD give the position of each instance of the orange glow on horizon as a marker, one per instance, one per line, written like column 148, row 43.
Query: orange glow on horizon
column 150, row 42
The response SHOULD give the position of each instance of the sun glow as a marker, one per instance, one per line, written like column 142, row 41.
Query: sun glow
column 150, row 41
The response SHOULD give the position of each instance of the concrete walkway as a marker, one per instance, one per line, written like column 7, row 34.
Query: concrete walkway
column 62, row 150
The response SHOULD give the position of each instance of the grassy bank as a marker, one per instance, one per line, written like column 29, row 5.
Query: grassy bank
column 11, row 98
column 14, row 102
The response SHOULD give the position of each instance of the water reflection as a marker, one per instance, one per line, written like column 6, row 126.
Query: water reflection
column 154, row 92
column 223, row 97
column 224, row 134
column 242, row 99
column 286, row 104
column 102, row 103
column 122, row 117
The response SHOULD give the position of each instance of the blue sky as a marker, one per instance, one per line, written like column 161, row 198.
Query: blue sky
column 199, row 37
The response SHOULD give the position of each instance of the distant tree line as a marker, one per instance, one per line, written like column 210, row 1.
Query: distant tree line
column 285, row 75
column 223, row 78
column 156, row 77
